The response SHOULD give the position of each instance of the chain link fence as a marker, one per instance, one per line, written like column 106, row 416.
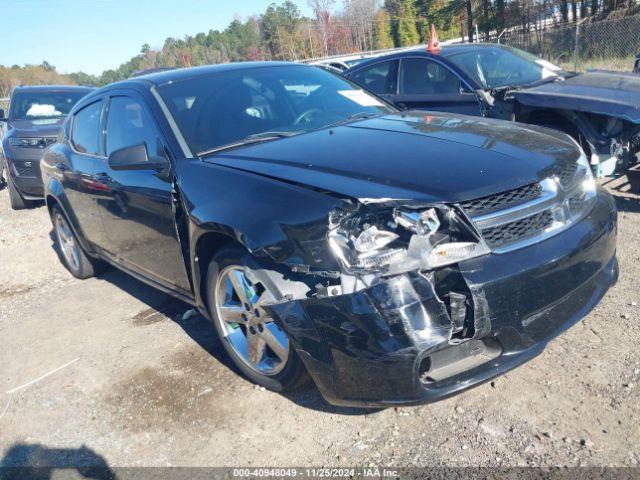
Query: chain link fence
column 607, row 44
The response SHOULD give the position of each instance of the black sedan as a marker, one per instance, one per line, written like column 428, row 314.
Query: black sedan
column 598, row 109
column 395, row 258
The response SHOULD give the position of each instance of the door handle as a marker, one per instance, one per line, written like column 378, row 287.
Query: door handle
column 60, row 166
column 102, row 178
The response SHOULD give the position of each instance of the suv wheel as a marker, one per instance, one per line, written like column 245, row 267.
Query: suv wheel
column 69, row 250
column 257, row 346
column 15, row 197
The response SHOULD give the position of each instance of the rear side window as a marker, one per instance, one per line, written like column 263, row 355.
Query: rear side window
column 129, row 123
column 86, row 129
column 379, row 78
column 425, row 77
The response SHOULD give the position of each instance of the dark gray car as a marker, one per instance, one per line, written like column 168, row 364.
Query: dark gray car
column 35, row 116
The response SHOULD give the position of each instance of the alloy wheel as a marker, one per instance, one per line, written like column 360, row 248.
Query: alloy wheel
column 67, row 242
column 248, row 329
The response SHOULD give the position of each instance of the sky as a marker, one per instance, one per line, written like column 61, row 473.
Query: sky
column 95, row 35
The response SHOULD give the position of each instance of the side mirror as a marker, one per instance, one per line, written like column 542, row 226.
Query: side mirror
column 136, row 158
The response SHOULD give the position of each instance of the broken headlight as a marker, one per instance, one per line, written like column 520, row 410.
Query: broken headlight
column 391, row 240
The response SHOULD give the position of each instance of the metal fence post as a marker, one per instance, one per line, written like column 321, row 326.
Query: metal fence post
column 576, row 49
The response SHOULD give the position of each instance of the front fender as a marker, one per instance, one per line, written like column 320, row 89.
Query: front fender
column 282, row 222
column 286, row 222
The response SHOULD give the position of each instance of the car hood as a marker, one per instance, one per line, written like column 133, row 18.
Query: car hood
column 44, row 127
column 443, row 158
column 606, row 93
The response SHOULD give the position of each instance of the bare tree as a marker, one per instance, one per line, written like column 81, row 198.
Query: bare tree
column 361, row 16
column 322, row 11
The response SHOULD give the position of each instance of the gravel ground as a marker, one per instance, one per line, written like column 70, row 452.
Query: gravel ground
column 141, row 386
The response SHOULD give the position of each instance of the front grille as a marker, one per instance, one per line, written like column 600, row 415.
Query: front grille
column 519, row 230
column 576, row 202
column 565, row 172
column 502, row 201
column 516, row 218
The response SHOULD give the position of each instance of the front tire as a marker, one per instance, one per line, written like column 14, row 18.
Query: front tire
column 71, row 254
column 253, row 341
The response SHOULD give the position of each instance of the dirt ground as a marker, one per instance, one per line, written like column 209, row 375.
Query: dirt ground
column 107, row 371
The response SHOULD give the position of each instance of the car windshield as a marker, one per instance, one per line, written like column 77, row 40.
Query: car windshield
column 504, row 66
column 36, row 105
column 236, row 107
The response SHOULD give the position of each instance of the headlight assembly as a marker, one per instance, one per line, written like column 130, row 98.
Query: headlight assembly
column 388, row 240
column 31, row 142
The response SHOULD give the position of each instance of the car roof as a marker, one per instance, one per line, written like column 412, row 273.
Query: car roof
column 159, row 78
column 52, row 88
column 446, row 50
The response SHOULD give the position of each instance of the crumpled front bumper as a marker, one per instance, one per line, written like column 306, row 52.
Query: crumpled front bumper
column 369, row 348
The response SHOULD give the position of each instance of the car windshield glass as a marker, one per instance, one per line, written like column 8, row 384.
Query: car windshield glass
column 354, row 62
column 34, row 105
column 230, row 108
column 503, row 66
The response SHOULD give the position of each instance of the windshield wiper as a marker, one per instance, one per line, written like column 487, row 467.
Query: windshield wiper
column 544, row 80
column 255, row 138
column 352, row 117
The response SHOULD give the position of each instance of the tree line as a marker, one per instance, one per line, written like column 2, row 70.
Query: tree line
column 281, row 32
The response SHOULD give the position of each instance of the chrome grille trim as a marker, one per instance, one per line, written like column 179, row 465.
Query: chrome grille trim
column 512, row 214
column 561, row 203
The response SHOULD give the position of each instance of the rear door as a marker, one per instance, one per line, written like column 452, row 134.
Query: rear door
column 138, row 212
column 426, row 84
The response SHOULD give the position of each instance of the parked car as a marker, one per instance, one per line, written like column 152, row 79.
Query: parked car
column 396, row 258
column 341, row 63
column 598, row 109
column 35, row 116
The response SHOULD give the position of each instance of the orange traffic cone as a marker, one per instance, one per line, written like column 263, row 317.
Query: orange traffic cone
column 434, row 44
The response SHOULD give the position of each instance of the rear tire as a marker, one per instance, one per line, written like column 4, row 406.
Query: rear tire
column 241, row 324
column 15, row 197
column 71, row 254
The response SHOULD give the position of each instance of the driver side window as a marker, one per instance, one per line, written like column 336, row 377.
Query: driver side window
column 128, row 124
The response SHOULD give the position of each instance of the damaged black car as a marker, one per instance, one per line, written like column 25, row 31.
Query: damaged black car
column 392, row 258
column 598, row 109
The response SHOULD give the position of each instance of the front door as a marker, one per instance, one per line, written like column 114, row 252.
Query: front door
column 85, row 153
column 138, row 214
column 425, row 84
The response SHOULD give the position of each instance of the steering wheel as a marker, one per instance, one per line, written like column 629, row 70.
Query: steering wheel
column 305, row 116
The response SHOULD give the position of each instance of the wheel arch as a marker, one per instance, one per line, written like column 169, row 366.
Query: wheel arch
column 54, row 197
column 205, row 246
